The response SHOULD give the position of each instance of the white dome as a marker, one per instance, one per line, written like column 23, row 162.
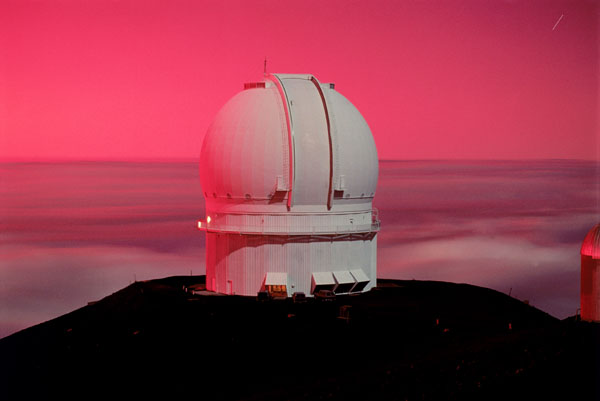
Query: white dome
column 289, row 170
column 288, row 144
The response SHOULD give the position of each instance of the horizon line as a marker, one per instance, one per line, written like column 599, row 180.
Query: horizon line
column 195, row 160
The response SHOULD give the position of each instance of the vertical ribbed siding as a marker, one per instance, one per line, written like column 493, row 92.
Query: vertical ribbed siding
column 372, row 245
column 590, row 289
column 245, row 259
column 236, row 262
column 210, row 260
column 219, row 247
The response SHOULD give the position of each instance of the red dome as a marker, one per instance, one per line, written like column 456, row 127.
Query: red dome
column 591, row 243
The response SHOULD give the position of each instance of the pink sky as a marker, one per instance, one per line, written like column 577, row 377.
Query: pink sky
column 434, row 79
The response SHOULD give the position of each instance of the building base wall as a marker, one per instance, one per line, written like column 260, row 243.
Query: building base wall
column 590, row 289
column 238, row 264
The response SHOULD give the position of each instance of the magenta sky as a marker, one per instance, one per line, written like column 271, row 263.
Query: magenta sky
column 434, row 79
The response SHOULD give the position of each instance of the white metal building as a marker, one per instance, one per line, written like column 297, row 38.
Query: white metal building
column 288, row 170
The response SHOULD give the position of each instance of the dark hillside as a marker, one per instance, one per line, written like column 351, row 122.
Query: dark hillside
column 403, row 340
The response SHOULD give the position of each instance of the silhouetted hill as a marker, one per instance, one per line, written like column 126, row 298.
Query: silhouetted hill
column 403, row 340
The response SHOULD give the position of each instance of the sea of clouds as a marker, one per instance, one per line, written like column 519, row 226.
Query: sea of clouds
column 75, row 232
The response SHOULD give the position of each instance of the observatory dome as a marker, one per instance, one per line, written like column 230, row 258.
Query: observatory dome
column 590, row 276
column 591, row 243
column 288, row 137
column 288, row 170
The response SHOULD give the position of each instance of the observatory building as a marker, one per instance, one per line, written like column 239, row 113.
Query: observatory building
column 590, row 276
column 289, row 169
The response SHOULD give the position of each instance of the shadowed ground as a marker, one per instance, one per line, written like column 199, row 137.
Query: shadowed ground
column 403, row 340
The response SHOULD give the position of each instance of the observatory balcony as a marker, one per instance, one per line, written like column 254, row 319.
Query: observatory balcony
column 293, row 224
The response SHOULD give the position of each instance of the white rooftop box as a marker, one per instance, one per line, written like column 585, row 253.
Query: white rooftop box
column 344, row 280
column 361, row 279
column 322, row 281
column 276, row 278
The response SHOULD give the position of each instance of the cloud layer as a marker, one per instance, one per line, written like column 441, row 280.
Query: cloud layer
column 75, row 232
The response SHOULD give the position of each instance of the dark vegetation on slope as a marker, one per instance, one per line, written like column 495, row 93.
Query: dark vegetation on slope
column 403, row 340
